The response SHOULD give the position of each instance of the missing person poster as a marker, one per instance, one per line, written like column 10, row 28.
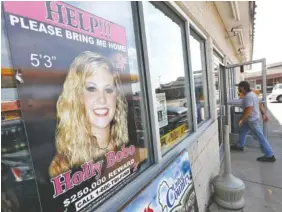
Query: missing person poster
column 171, row 191
column 75, row 96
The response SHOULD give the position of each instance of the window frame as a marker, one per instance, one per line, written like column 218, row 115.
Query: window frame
column 204, row 60
column 164, row 8
column 218, row 60
column 160, row 161
column 218, row 55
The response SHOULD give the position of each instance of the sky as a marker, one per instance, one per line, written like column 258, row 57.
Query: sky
column 268, row 31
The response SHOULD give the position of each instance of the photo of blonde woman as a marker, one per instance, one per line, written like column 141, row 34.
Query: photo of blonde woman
column 91, row 113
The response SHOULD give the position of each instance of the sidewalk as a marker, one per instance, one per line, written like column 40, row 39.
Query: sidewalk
column 263, row 181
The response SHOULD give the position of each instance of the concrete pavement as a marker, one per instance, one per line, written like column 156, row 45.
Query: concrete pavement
column 263, row 181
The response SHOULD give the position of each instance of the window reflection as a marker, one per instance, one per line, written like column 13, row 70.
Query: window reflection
column 199, row 74
column 165, row 51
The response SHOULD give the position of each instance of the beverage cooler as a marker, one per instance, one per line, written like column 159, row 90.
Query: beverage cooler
column 19, row 192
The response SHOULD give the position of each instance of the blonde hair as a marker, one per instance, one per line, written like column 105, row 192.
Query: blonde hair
column 74, row 139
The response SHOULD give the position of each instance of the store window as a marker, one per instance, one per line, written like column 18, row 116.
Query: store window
column 165, row 44
column 197, row 49
column 81, row 97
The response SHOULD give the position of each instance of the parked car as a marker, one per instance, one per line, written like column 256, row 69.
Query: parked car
column 177, row 116
column 276, row 93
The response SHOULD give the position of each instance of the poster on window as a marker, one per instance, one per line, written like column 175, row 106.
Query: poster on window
column 171, row 191
column 76, row 98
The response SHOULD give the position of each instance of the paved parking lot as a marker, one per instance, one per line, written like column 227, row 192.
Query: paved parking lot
column 276, row 109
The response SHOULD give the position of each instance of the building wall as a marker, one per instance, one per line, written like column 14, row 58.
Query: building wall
column 205, row 163
column 205, row 15
column 204, row 153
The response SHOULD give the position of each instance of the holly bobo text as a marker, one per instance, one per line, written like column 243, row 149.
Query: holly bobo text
column 100, row 187
column 66, row 181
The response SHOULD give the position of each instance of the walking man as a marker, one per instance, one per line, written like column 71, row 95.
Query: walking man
column 250, row 121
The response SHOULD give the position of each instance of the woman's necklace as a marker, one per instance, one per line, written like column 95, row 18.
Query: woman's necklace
column 104, row 148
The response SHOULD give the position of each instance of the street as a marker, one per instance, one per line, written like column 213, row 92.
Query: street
column 276, row 108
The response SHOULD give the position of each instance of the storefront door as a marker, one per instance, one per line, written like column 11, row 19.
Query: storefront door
column 220, row 86
column 222, row 114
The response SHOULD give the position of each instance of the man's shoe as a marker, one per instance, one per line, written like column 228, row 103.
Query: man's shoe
column 266, row 159
column 236, row 147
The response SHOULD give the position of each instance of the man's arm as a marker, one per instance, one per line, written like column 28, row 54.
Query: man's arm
column 262, row 111
column 261, row 108
column 247, row 112
column 249, row 105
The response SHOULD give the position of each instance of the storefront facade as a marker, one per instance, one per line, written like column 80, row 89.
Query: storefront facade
column 156, row 72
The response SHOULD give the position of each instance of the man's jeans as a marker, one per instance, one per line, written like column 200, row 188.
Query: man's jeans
column 256, row 129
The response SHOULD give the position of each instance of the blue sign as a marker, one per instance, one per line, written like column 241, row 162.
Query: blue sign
column 171, row 190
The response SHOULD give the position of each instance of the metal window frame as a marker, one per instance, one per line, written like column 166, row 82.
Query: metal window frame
column 160, row 161
column 206, row 72
column 218, row 57
column 174, row 16
column 177, row 8
column 204, row 53
column 217, row 51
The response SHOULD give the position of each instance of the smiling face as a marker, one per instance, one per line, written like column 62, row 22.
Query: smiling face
column 100, row 96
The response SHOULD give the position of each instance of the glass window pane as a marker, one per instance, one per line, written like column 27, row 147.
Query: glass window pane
column 197, row 48
column 81, row 98
column 167, row 71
